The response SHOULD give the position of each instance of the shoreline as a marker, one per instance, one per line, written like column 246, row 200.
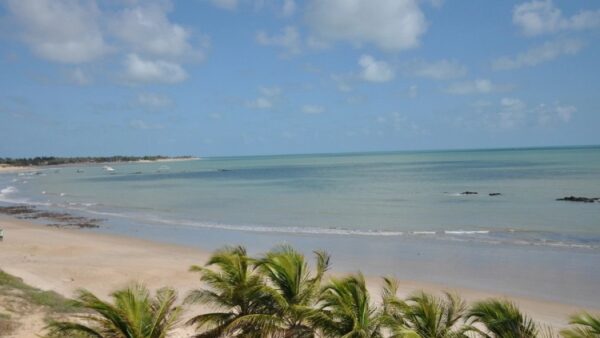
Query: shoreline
column 17, row 169
column 64, row 260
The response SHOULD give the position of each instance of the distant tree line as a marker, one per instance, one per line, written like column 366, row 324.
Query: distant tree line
column 52, row 160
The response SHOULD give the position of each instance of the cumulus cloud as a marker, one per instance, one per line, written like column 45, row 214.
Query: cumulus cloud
column 546, row 52
column 148, row 71
column 289, row 39
column 64, row 31
column 479, row 86
column 374, row 70
column 542, row 17
column 312, row 109
column 146, row 29
column 437, row 70
column 391, row 25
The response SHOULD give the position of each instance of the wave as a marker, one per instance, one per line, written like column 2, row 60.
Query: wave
column 488, row 236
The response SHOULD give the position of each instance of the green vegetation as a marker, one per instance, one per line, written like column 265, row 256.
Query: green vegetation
column 584, row 325
column 133, row 314
column 51, row 160
column 14, row 287
column 279, row 295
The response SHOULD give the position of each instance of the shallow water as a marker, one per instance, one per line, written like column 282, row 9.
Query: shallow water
column 374, row 210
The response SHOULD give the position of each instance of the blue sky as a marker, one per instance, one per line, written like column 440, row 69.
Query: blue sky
column 245, row 77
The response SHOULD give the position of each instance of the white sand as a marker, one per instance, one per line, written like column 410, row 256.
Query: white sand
column 64, row 260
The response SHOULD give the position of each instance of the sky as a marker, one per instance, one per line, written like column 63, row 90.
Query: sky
column 257, row 77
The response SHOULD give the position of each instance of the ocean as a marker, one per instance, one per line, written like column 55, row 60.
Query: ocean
column 403, row 213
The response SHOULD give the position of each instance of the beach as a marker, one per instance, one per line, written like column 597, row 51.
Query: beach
column 64, row 260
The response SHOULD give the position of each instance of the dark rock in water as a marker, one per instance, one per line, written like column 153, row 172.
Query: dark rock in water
column 579, row 199
column 17, row 210
column 495, row 194
column 59, row 219
column 469, row 193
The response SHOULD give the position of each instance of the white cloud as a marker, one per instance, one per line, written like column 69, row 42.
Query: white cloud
column 400, row 123
column 142, row 125
column 389, row 24
column 413, row 91
column 153, row 101
column 342, row 82
column 270, row 91
column 226, row 4
column 289, row 39
column 539, row 54
column 312, row 109
column 513, row 113
column 479, row 86
column 261, row 103
column 79, row 77
column 542, row 17
column 267, row 99
column 438, row 70
column 375, row 71
column 146, row 29
column 64, row 31
column 289, row 7
column 148, row 71
column 565, row 113
column 549, row 115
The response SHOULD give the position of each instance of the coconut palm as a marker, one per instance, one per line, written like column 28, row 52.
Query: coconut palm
column 393, row 307
column 423, row 314
column 585, row 326
column 500, row 319
column 132, row 314
column 346, row 311
column 235, row 291
column 293, row 289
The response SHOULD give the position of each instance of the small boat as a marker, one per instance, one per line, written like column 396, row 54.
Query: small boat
column 107, row 168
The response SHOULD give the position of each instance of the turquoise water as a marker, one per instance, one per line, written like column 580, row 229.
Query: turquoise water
column 396, row 214
column 371, row 194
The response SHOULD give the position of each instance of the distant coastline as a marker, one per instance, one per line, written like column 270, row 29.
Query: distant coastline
column 25, row 163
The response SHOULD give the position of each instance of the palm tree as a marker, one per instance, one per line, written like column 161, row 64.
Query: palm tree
column 132, row 314
column 586, row 326
column 345, row 310
column 393, row 307
column 500, row 319
column 293, row 289
column 422, row 314
column 235, row 290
